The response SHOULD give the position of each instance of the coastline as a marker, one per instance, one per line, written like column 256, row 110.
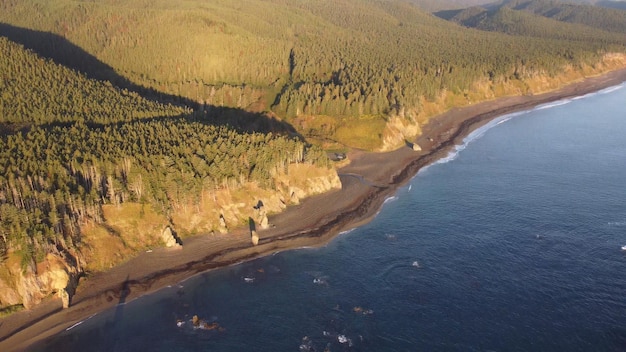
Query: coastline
column 314, row 222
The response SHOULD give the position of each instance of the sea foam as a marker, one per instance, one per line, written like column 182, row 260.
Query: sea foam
column 553, row 104
column 474, row 135
column 389, row 199
column 479, row 132
column 612, row 89
column 80, row 322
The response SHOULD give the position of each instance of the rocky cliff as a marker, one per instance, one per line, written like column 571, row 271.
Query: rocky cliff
column 130, row 227
column 29, row 285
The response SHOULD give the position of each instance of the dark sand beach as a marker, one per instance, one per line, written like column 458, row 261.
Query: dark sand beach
column 367, row 181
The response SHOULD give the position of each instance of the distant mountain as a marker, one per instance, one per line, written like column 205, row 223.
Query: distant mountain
column 608, row 19
column 440, row 5
column 612, row 4
column 543, row 18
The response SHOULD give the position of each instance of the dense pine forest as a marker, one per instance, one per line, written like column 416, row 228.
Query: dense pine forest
column 71, row 144
column 356, row 61
column 108, row 102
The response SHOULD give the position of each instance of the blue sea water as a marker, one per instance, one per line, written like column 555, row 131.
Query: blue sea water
column 512, row 243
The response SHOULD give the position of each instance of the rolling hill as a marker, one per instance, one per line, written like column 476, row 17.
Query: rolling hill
column 357, row 62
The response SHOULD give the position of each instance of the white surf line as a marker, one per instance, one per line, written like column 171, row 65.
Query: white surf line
column 80, row 322
column 75, row 325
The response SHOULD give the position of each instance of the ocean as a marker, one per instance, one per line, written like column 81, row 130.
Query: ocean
column 511, row 243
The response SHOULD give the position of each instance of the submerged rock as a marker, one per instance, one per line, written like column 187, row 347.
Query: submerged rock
column 200, row 324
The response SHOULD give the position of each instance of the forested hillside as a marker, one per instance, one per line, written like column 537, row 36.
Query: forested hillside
column 120, row 115
column 330, row 68
column 70, row 145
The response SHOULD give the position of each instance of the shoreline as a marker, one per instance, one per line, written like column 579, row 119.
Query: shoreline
column 313, row 223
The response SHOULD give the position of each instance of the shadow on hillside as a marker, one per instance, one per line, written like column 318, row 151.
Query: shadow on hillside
column 447, row 14
column 66, row 53
column 245, row 121
column 236, row 119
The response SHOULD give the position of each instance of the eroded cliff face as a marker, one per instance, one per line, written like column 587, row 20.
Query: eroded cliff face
column 402, row 128
column 29, row 286
column 399, row 131
column 222, row 210
column 130, row 228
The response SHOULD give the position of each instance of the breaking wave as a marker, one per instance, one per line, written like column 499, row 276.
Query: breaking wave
column 474, row 135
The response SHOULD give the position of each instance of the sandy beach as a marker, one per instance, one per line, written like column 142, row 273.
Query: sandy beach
column 367, row 181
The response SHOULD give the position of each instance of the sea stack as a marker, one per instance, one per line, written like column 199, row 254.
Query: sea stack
column 254, row 236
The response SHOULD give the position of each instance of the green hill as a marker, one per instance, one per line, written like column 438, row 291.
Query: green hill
column 358, row 62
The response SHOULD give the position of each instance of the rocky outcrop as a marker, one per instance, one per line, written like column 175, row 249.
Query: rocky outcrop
column 169, row 238
column 8, row 293
column 136, row 227
column 314, row 183
column 261, row 215
column 254, row 237
column 222, row 228
column 30, row 285
column 397, row 130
